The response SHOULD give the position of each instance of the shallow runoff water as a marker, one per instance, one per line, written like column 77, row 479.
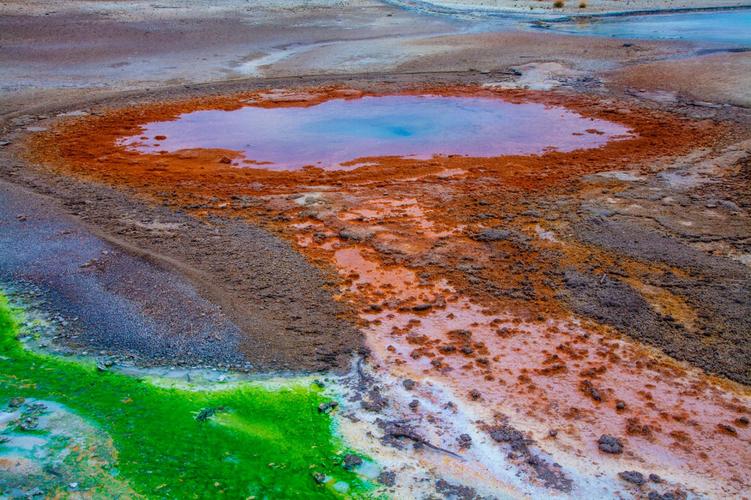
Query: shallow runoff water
column 343, row 133
column 728, row 27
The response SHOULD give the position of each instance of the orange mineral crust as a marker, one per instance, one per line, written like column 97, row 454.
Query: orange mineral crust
column 89, row 147
column 454, row 274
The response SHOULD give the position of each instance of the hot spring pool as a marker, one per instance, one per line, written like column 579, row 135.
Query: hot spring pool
column 344, row 133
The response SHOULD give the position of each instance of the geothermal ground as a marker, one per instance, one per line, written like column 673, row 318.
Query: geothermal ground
column 396, row 249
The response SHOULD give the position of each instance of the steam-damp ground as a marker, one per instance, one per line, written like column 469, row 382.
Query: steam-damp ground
column 405, row 249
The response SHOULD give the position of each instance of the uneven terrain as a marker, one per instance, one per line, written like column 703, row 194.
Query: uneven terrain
column 533, row 325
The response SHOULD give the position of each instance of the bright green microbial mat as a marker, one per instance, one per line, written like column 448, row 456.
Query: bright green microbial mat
column 147, row 440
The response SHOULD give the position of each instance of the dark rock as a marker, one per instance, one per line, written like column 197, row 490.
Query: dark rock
column 620, row 405
column 610, row 444
column 409, row 384
column 319, row 477
column 349, row 235
column 207, row 413
column 351, row 461
column 375, row 401
column 464, row 440
column 591, row 390
column 653, row 495
column 457, row 491
column 492, row 235
column 727, row 429
column 422, row 307
column 387, row 478
column 414, row 404
column 632, row 476
column 475, row 394
column 16, row 402
column 655, row 478
column 327, row 407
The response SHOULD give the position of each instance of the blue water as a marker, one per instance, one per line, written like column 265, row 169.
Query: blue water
column 731, row 27
column 340, row 131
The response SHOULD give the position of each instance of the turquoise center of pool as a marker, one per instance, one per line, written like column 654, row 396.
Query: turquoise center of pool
column 345, row 133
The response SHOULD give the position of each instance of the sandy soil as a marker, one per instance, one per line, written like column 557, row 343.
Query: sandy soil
column 610, row 296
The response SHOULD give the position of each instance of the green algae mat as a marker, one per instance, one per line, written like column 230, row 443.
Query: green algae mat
column 244, row 442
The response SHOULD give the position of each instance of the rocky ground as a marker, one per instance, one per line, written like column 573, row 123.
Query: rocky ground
column 654, row 244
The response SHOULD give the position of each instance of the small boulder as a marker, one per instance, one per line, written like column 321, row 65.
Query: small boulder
column 632, row 476
column 610, row 444
column 492, row 235
column 351, row 461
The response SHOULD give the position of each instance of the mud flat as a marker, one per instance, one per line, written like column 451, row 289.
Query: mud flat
column 506, row 287
column 366, row 302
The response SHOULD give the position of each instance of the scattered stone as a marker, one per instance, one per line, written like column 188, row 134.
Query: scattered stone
column 632, row 476
column 620, row 405
column 414, row 404
column 327, row 407
column 464, row 440
column 655, row 478
column 349, row 235
column 457, row 491
column 225, row 160
column 552, row 433
column 590, row 390
column 653, row 495
column 492, row 235
column 742, row 420
column 475, row 394
column 16, row 402
column 727, row 429
column 375, row 401
column 729, row 205
column 387, row 478
column 422, row 307
column 409, row 384
column 207, row 413
column 351, row 461
column 610, row 444
column 319, row 477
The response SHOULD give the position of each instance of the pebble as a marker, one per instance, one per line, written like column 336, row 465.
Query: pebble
column 409, row 384
column 610, row 444
column 351, row 461
column 464, row 440
column 632, row 476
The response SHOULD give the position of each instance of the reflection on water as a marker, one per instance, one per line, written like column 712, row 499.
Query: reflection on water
column 727, row 27
column 338, row 131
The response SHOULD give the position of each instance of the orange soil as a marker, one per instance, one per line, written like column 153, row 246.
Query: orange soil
column 399, row 235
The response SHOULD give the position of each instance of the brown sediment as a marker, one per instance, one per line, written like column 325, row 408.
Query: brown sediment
column 440, row 296
column 206, row 182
